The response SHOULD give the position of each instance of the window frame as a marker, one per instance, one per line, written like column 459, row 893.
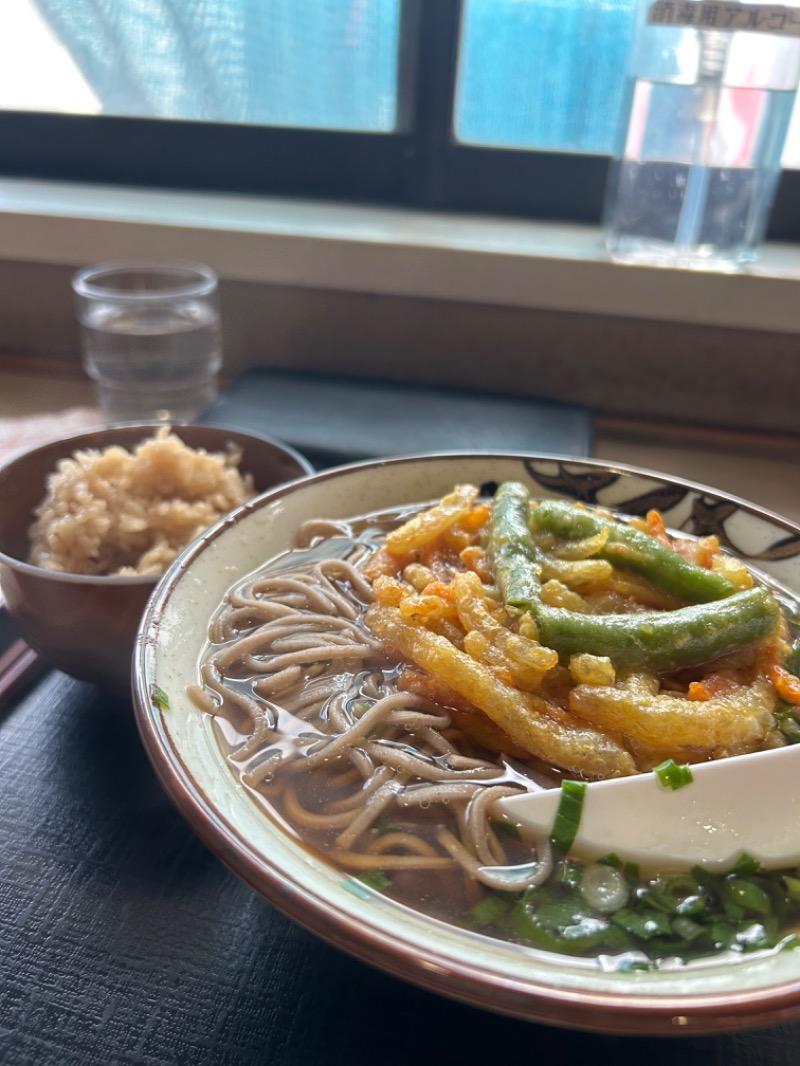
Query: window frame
column 419, row 166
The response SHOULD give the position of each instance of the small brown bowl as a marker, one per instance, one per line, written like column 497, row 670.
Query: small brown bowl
column 86, row 626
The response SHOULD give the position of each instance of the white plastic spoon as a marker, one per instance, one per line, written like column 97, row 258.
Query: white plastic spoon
column 744, row 804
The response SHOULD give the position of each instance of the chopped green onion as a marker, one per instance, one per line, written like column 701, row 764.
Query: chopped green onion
column 159, row 697
column 568, row 815
column 491, row 908
column 561, row 913
column 757, row 935
column 584, row 934
column 673, row 775
column 568, row 874
column 709, row 881
column 788, row 724
column 723, row 934
column 683, row 916
column 745, row 896
column 746, row 865
column 629, row 869
column 604, row 887
column 383, row 824
column 588, row 930
column 686, row 928
column 376, row 879
column 644, row 926
column 677, row 894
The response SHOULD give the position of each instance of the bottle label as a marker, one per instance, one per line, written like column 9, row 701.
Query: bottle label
column 724, row 15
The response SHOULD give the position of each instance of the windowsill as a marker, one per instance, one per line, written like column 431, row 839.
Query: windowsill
column 388, row 251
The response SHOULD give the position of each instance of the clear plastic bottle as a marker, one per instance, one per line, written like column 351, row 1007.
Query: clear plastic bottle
column 709, row 100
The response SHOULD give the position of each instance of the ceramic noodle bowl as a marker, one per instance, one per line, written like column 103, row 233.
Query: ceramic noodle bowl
column 184, row 743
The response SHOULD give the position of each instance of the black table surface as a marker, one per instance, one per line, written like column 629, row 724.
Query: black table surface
column 124, row 940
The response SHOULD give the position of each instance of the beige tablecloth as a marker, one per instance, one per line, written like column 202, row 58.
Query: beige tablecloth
column 19, row 434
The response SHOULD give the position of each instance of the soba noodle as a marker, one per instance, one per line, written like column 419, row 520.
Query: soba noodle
column 305, row 688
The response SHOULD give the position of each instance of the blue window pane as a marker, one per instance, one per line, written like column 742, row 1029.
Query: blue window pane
column 545, row 74
column 332, row 64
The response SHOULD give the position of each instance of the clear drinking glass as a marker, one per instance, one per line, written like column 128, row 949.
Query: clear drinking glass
column 151, row 338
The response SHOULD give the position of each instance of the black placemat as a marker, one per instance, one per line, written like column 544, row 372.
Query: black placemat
column 123, row 940
column 334, row 420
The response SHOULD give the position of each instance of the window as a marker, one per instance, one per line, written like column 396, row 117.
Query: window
column 234, row 61
column 524, row 80
column 492, row 106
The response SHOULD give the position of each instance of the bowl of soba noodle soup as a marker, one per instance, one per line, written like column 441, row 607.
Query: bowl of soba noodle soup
column 341, row 682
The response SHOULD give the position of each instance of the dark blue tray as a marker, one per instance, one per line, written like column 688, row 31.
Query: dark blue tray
column 334, row 420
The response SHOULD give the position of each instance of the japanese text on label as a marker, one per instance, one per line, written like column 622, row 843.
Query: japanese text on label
column 714, row 15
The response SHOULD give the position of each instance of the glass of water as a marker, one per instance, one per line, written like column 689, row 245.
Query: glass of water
column 150, row 335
